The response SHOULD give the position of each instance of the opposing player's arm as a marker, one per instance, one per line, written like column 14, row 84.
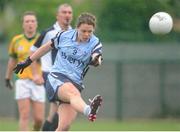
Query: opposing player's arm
column 11, row 63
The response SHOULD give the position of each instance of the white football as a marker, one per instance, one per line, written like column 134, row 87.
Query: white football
column 161, row 23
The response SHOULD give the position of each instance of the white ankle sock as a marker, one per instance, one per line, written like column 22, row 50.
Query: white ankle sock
column 87, row 110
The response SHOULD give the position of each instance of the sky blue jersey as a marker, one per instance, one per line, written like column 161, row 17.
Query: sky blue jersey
column 73, row 58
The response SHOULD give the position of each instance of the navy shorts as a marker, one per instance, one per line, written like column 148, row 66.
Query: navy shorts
column 54, row 81
column 45, row 74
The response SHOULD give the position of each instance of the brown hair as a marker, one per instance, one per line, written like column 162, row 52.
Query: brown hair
column 26, row 13
column 86, row 18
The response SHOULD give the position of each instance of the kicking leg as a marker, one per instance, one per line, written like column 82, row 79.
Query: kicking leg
column 95, row 104
column 69, row 93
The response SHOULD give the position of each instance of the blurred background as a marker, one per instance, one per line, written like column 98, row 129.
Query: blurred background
column 140, row 76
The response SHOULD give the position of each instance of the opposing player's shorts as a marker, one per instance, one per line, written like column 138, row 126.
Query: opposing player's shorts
column 26, row 88
column 54, row 81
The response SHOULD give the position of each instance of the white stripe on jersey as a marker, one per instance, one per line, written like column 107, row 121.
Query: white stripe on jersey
column 33, row 48
column 97, row 47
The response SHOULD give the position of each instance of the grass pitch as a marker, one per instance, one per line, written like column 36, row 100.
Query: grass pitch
column 109, row 125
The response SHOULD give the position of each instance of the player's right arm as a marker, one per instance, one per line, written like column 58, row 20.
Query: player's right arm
column 11, row 63
column 10, row 66
column 53, row 43
column 36, row 55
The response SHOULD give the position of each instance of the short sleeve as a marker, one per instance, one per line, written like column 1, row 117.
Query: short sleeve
column 38, row 42
column 11, row 49
column 56, row 39
column 97, row 48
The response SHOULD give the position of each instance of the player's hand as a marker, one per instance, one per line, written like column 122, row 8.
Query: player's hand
column 22, row 65
column 8, row 84
column 38, row 79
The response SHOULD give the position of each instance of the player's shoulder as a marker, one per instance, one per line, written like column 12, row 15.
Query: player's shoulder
column 18, row 37
column 94, row 39
column 47, row 30
column 69, row 33
column 47, row 33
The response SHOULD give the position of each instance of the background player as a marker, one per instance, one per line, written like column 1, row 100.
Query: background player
column 64, row 18
column 27, row 91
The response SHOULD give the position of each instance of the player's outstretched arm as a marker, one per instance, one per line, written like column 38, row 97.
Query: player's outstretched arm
column 36, row 55
column 22, row 65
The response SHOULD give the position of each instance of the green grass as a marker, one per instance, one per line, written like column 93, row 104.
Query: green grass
column 8, row 125
column 111, row 125
column 128, row 125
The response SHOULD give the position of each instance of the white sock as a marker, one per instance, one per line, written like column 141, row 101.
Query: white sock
column 87, row 110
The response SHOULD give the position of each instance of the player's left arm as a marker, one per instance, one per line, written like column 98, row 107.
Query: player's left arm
column 96, row 56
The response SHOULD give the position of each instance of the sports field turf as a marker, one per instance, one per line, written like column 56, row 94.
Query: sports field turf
column 111, row 125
